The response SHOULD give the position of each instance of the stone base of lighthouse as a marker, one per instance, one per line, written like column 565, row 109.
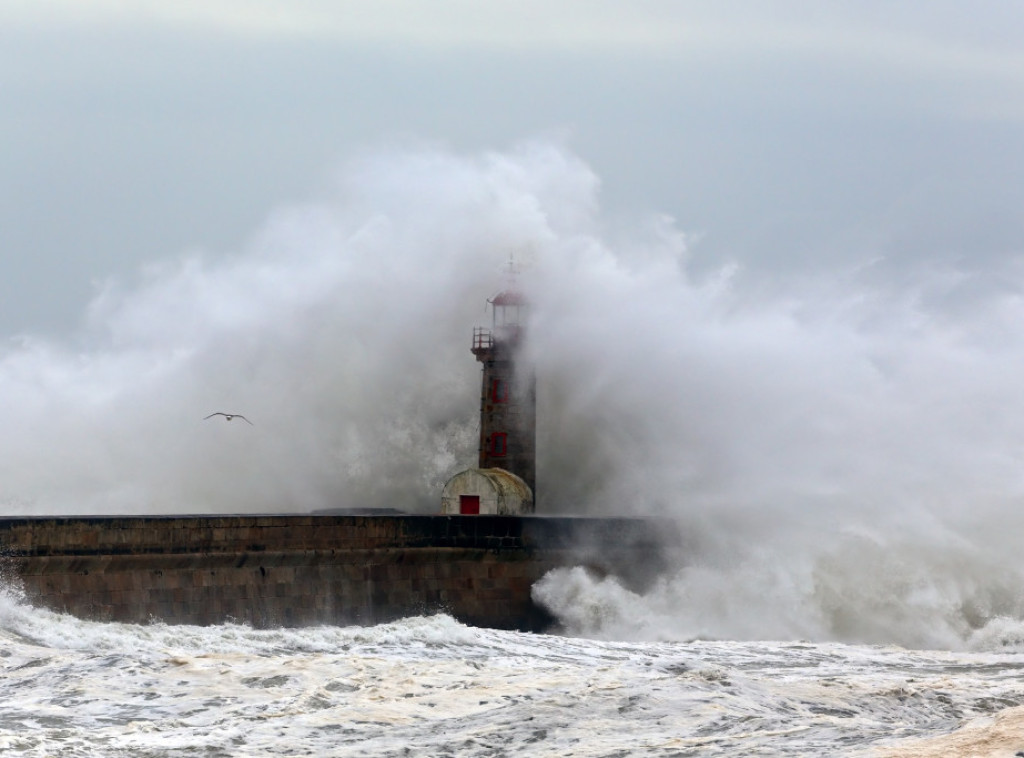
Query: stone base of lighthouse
column 486, row 491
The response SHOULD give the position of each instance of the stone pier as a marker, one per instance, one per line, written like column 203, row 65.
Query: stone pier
column 297, row 570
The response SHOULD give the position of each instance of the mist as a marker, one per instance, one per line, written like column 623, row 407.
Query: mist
column 842, row 454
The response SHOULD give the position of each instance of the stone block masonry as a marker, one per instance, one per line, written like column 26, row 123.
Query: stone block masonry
column 286, row 570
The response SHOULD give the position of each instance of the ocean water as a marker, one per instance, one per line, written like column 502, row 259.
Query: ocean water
column 432, row 686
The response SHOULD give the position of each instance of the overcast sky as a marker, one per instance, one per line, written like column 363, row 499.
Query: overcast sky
column 783, row 135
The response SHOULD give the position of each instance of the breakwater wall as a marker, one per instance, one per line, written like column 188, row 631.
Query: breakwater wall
column 291, row 570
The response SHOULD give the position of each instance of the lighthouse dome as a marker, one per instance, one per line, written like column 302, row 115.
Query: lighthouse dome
column 509, row 297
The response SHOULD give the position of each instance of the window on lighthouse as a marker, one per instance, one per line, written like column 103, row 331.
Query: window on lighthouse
column 499, row 444
column 499, row 391
column 506, row 315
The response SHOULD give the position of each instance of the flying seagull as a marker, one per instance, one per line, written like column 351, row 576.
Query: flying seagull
column 230, row 416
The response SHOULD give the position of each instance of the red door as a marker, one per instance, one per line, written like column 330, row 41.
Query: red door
column 469, row 505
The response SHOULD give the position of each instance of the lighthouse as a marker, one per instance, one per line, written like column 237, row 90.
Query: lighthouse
column 508, row 391
column 504, row 481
